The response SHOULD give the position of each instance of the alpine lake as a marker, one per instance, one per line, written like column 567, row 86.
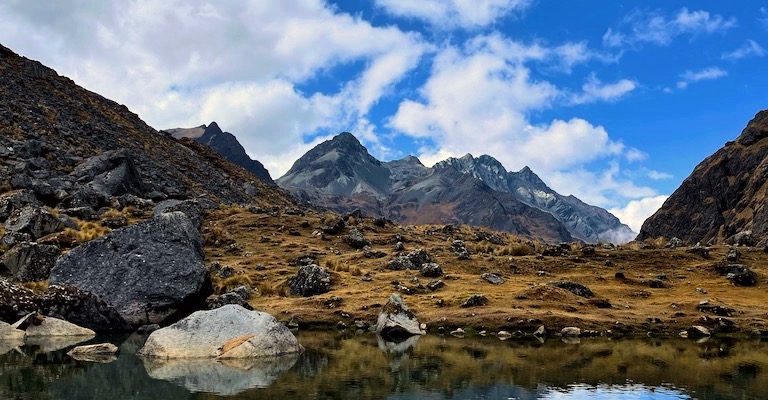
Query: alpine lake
column 342, row 365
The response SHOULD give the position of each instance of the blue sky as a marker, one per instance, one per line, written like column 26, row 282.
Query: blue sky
column 614, row 102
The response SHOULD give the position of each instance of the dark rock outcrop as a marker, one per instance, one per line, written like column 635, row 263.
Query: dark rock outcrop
column 724, row 196
column 150, row 272
column 35, row 221
column 67, row 303
column 310, row 280
column 30, row 261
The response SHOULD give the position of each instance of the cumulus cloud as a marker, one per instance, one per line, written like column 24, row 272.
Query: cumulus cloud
column 706, row 74
column 182, row 63
column 637, row 211
column 643, row 27
column 447, row 14
column 478, row 99
column 595, row 90
column 658, row 176
column 748, row 49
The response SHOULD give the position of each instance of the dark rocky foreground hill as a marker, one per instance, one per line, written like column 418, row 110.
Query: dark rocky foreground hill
column 225, row 144
column 82, row 173
column 50, row 127
column 726, row 196
column 342, row 175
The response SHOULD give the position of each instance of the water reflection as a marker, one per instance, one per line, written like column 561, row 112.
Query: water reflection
column 429, row 367
column 225, row 378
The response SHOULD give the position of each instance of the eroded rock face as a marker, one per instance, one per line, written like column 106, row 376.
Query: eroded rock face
column 16, row 200
column 161, row 257
column 29, row 262
column 228, row 332
column 35, row 221
column 310, row 280
column 711, row 203
column 396, row 321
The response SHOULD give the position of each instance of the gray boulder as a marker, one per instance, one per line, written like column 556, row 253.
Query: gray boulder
column 396, row 321
column 29, row 262
column 191, row 208
column 111, row 173
column 161, row 258
column 228, row 332
column 431, row 270
column 35, row 324
column 16, row 200
column 400, row 263
column 35, row 221
column 356, row 240
column 239, row 295
column 310, row 280
column 492, row 278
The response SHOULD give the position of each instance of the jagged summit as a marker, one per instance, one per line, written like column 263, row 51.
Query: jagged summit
column 408, row 191
column 225, row 144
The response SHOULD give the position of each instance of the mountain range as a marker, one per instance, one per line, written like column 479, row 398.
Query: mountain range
column 340, row 174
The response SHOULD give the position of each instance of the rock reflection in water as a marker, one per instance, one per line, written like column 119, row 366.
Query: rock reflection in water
column 49, row 344
column 343, row 366
column 221, row 377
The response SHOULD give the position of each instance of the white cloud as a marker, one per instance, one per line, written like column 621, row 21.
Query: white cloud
column 446, row 14
column 659, row 176
column 637, row 211
column 641, row 27
column 634, row 155
column 183, row 63
column 595, row 90
column 748, row 49
column 706, row 74
column 478, row 100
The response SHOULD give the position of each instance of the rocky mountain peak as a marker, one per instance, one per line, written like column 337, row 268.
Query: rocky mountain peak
column 756, row 130
column 213, row 129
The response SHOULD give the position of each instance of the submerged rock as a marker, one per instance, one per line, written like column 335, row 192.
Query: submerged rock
column 396, row 321
column 228, row 332
column 162, row 258
column 101, row 353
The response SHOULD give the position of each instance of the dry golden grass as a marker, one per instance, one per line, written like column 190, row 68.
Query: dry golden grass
column 516, row 262
column 37, row 287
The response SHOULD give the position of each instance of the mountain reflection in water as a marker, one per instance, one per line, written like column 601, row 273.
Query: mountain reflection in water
column 346, row 366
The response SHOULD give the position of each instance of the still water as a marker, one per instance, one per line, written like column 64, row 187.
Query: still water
column 346, row 366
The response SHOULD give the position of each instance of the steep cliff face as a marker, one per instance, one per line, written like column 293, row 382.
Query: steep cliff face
column 726, row 194
column 225, row 144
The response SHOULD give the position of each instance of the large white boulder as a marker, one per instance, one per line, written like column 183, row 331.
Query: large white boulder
column 396, row 321
column 35, row 325
column 228, row 332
